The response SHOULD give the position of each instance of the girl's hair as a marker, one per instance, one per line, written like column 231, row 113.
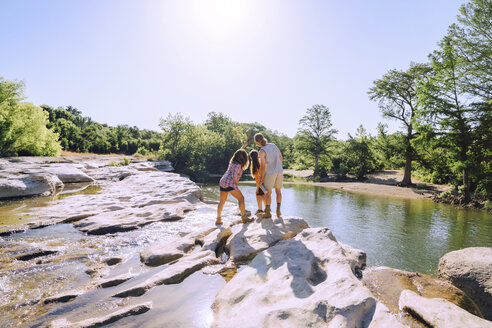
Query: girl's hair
column 255, row 163
column 240, row 157
column 261, row 139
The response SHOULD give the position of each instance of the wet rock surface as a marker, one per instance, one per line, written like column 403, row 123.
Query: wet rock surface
column 105, row 320
column 470, row 269
column 131, row 196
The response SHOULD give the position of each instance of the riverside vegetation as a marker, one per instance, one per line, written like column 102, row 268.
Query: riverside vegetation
column 444, row 106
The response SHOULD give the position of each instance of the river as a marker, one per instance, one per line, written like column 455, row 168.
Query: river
column 407, row 234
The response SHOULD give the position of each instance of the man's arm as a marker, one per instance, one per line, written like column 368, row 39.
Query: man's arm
column 263, row 165
column 280, row 155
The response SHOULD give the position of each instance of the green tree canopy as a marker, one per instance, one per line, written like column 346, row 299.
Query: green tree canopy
column 396, row 95
column 23, row 128
column 315, row 133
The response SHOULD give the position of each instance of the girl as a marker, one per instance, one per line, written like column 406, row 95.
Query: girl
column 228, row 183
column 255, row 173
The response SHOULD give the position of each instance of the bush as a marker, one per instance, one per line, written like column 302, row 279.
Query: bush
column 444, row 194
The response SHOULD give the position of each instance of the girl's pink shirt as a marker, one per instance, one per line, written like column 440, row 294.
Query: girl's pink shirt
column 233, row 174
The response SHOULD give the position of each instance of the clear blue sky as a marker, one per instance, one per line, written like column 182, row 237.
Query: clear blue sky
column 133, row 62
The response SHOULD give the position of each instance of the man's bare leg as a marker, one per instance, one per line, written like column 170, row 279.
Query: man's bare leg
column 278, row 192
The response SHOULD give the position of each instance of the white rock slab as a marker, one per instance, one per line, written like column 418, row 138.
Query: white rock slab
column 440, row 313
column 174, row 273
column 251, row 238
column 38, row 184
column 307, row 281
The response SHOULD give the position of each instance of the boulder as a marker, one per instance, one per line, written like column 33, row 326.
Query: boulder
column 470, row 270
column 439, row 313
column 30, row 185
column 249, row 239
column 308, row 281
column 387, row 284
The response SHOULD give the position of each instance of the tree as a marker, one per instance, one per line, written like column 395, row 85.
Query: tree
column 315, row 133
column 23, row 128
column 449, row 107
column 472, row 39
column 232, row 136
column 397, row 98
column 389, row 148
column 357, row 154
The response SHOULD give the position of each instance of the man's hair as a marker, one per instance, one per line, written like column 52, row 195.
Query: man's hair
column 261, row 139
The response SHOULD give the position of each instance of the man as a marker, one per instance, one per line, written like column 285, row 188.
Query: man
column 271, row 172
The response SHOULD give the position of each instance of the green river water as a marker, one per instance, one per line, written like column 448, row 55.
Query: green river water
column 407, row 234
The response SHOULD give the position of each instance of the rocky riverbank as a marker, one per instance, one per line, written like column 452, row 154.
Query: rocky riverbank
column 143, row 251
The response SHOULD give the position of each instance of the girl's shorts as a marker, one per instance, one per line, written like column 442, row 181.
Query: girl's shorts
column 227, row 189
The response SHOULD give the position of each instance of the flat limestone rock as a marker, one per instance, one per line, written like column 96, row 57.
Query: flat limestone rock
column 30, row 185
column 105, row 320
column 115, row 281
column 174, row 273
column 306, row 281
column 439, row 313
column 68, row 173
column 132, row 218
column 128, row 198
column 161, row 253
column 251, row 238
column 470, row 269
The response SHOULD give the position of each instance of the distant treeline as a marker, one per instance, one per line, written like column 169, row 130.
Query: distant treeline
column 79, row 133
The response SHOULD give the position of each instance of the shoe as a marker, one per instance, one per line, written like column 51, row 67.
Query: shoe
column 266, row 215
column 246, row 212
column 279, row 214
column 218, row 221
column 246, row 219
column 259, row 212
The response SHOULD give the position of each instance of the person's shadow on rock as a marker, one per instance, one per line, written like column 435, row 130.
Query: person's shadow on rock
column 301, row 263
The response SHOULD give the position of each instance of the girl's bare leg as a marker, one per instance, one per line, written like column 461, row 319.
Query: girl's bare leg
column 259, row 200
column 240, row 198
column 223, row 198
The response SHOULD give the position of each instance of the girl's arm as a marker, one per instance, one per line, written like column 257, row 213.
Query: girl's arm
column 245, row 144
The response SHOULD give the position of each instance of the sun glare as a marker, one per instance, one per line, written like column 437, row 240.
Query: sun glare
column 219, row 18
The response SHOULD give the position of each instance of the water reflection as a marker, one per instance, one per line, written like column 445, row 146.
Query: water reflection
column 407, row 234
